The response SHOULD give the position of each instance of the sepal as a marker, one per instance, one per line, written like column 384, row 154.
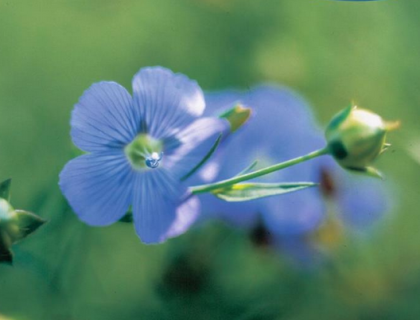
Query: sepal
column 24, row 223
column 5, row 189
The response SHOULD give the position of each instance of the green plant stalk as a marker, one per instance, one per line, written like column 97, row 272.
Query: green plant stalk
column 252, row 175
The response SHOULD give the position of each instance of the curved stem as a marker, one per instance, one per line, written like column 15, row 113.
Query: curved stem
column 252, row 175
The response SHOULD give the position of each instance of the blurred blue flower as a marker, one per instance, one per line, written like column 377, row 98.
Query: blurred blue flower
column 138, row 149
column 282, row 127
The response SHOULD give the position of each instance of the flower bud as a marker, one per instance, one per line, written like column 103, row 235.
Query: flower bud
column 6, row 211
column 356, row 137
column 237, row 116
column 14, row 224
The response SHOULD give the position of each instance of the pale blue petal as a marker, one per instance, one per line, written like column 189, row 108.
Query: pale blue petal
column 278, row 116
column 186, row 214
column 166, row 101
column 161, row 207
column 362, row 200
column 187, row 148
column 241, row 214
column 281, row 127
column 294, row 213
column 98, row 186
column 104, row 118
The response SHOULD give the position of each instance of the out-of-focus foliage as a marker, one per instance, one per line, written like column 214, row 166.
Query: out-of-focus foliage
column 329, row 51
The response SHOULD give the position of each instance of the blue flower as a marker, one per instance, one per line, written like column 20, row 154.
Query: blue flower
column 282, row 127
column 138, row 148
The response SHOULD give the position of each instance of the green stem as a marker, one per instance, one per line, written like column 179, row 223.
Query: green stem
column 252, row 175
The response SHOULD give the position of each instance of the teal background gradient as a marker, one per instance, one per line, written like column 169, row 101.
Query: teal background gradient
column 332, row 52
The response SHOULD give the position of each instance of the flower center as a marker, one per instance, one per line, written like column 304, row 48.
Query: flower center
column 144, row 152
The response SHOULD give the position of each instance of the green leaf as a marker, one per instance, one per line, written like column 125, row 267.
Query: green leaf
column 26, row 223
column 204, row 160
column 5, row 189
column 248, row 169
column 251, row 191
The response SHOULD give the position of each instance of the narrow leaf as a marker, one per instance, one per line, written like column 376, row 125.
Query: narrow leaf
column 251, row 191
column 204, row 160
column 5, row 189
column 249, row 168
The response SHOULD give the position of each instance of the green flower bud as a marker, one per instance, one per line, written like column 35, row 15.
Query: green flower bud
column 356, row 137
column 15, row 225
column 6, row 211
column 237, row 116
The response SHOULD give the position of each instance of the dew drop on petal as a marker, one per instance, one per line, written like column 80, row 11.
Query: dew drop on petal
column 153, row 160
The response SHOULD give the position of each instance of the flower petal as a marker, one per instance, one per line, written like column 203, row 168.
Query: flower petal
column 98, row 186
column 294, row 213
column 161, row 207
column 362, row 200
column 281, row 127
column 186, row 214
column 241, row 214
column 166, row 101
column 186, row 149
column 104, row 117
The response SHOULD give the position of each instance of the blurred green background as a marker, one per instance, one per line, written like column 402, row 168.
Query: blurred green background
column 331, row 52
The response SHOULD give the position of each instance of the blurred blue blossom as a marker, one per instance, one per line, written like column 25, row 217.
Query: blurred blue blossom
column 282, row 127
column 138, row 149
